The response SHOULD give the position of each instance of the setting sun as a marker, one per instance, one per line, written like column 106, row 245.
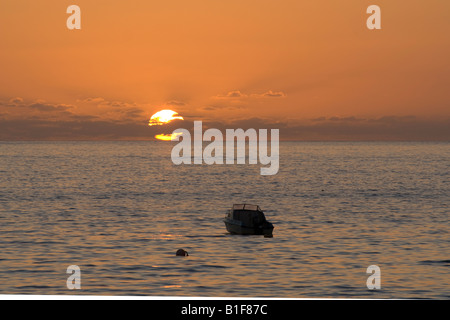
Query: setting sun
column 163, row 117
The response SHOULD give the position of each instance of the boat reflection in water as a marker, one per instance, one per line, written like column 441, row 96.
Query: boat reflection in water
column 247, row 219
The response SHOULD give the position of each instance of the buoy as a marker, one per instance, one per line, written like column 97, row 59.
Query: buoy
column 182, row 252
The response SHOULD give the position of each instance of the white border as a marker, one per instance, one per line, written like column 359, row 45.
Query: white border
column 92, row 297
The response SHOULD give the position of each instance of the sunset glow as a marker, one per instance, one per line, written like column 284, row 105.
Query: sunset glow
column 310, row 68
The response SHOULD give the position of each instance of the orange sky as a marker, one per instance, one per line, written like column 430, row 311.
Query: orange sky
column 288, row 62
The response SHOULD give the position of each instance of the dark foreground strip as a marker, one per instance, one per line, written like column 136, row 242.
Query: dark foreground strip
column 223, row 309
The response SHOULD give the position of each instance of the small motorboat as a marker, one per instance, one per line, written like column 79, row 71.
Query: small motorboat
column 247, row 219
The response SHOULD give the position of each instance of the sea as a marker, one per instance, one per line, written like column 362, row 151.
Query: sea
column 120, row 211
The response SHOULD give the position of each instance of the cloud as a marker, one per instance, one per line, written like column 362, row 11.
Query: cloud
column 326, row 129
column 34, row 110
column 16, row 101
column 271, row 94
column 71, row 130
column 113, row 109
column 232, row 95
column 175, row 103
column 102, row 102
column 239, row 95
column 387, row 128
column 49, row 107
column 41, row 120
column 102, row 109
column 116, row 104
column 221, row 106
column 92, row 100
column 352, row 128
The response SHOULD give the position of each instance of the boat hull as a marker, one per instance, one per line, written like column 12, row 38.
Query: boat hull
column 236, row 227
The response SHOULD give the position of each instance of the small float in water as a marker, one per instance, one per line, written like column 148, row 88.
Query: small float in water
column 247, row 219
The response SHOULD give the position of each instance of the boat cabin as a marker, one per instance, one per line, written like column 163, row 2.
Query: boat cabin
column 248, row 214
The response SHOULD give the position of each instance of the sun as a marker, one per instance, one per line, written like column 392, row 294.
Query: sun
column 168, row 137
column 163, row 117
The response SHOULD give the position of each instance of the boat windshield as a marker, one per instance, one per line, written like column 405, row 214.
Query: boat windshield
column 250, row 207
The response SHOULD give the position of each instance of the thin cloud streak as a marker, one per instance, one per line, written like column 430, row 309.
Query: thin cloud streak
column 236, row 94
column 327, row 129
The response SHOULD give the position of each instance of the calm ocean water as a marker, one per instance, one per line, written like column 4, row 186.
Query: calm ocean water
column 120, row 210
